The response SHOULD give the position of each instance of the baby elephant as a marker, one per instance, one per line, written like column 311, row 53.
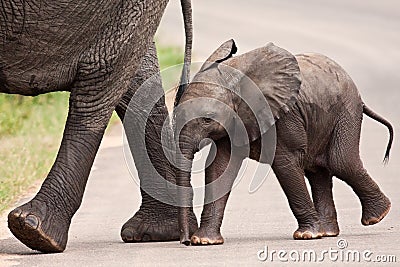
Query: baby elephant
column 313, row 109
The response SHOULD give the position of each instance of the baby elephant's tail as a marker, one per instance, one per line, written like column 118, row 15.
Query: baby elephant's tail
column 370, row 113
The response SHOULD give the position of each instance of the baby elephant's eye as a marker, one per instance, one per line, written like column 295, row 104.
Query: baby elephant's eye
column 207, row 120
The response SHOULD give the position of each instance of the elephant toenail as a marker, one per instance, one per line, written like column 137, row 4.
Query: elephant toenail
column 195, row 240
column 17, row 212
column 137, row 238
column 32, row 221
column 127, row 234
column 205, row 241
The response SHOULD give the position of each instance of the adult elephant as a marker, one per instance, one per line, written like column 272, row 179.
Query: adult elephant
column 100, row 52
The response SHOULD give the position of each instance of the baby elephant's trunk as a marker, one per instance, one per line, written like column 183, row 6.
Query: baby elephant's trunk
column 185, row 191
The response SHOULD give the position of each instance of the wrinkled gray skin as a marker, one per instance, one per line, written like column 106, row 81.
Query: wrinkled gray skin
column 317, row 112
column 101, row 52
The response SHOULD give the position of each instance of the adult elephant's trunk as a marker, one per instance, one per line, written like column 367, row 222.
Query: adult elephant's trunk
column 185, row 154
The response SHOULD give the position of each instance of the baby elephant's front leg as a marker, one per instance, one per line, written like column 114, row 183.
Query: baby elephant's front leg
column 220, row 176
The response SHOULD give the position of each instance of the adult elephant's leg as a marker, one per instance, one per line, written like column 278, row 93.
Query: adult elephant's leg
column 100, row 82
column 42, row 223
column 155, row 220
column 220, row 175
column 287, row 169
column 321, row 188
column 346, row 164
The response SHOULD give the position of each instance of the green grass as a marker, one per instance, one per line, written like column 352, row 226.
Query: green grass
column 169, row 56
column 30, row 133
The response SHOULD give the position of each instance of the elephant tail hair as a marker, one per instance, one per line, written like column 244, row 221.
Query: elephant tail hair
column 370, row 113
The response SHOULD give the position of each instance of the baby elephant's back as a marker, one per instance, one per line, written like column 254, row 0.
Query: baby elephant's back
column 327, row 85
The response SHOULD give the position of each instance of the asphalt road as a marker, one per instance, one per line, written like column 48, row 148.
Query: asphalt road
column 362, row 36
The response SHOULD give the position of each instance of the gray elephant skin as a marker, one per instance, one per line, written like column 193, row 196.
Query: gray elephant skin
column 316, row 112
column 101, row 52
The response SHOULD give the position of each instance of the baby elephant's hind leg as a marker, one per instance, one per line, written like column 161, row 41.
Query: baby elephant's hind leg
column 375, row 205
column 346, row 164
column 321, row 188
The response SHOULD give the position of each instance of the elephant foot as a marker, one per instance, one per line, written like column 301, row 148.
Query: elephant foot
column 375, row 210
column 330, row 229
column 307, row 232
column 38, row 228
column 204, row 236
column 155, row 224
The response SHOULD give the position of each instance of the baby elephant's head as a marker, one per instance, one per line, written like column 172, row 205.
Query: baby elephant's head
column 206, row 108
column 237, row 96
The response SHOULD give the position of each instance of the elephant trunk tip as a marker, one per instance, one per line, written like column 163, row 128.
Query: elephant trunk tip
column 185, row 242
column 184, row 226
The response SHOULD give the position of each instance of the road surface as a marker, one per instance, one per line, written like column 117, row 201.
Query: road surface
column 362, row 36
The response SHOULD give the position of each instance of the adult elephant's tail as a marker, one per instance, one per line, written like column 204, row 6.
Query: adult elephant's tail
column 187, row 18
column 370, row 113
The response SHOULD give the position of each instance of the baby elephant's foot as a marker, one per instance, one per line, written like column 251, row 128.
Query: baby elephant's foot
column 373, row 211
column 330, row 228
column 308, row 232
column 38, row 227
column 207, row 236
column 154, row 225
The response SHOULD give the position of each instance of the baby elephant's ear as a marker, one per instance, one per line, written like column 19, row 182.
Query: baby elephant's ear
column 273, row 73
column 224, row 52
